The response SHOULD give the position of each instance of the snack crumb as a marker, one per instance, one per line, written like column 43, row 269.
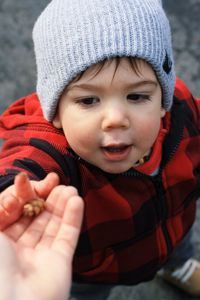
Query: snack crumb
column 34, row 208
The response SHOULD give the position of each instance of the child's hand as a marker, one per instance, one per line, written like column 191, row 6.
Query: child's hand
column 36, row 256
column 13, row 199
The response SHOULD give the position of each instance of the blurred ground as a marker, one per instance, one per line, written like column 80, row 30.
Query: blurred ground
column 18, row 76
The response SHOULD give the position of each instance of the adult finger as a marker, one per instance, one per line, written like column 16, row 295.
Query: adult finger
column 55, row 204
column 68, row 234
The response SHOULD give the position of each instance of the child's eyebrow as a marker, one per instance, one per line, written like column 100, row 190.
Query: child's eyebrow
column 142, row 83
column 88, row 86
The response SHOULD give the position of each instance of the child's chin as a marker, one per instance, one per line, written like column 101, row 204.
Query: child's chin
column 115, row 169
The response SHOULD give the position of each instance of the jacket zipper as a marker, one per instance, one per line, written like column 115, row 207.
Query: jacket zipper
column 160, row 192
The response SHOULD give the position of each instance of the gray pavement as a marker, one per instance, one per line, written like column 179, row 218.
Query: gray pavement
column 18, row 76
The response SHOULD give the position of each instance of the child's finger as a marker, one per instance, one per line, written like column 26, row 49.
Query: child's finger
column 10, row 210
column 9, row 203
column 45, row 186
column 23, row 188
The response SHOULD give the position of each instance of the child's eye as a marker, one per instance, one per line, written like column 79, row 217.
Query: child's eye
column 88, row 101
column 138, row 97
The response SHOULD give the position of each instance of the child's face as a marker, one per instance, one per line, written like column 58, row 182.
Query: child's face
column 112, row 118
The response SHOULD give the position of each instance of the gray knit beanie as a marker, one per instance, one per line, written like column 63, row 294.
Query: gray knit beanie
column 71, row 35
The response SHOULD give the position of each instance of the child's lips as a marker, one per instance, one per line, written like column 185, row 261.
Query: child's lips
column 116, row 152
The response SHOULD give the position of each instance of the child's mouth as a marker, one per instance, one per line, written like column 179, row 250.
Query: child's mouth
column 116, row 153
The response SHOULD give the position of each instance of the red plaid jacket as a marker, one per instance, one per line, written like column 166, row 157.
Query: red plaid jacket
column 132, row 221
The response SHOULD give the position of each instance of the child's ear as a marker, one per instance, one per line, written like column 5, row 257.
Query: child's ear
column 56, row 122
column 162, row 112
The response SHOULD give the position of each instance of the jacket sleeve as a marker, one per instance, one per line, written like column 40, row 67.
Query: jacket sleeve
column 34, row 156
column 31, row 144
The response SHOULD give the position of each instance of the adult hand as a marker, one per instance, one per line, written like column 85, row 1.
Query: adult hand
column 36, row 256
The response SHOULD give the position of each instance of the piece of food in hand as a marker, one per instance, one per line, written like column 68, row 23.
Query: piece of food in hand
column 34, row 208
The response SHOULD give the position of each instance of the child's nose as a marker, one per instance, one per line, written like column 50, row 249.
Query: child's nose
column 115, row 117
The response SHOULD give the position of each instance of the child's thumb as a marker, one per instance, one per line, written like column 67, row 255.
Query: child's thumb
column 45, row 186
